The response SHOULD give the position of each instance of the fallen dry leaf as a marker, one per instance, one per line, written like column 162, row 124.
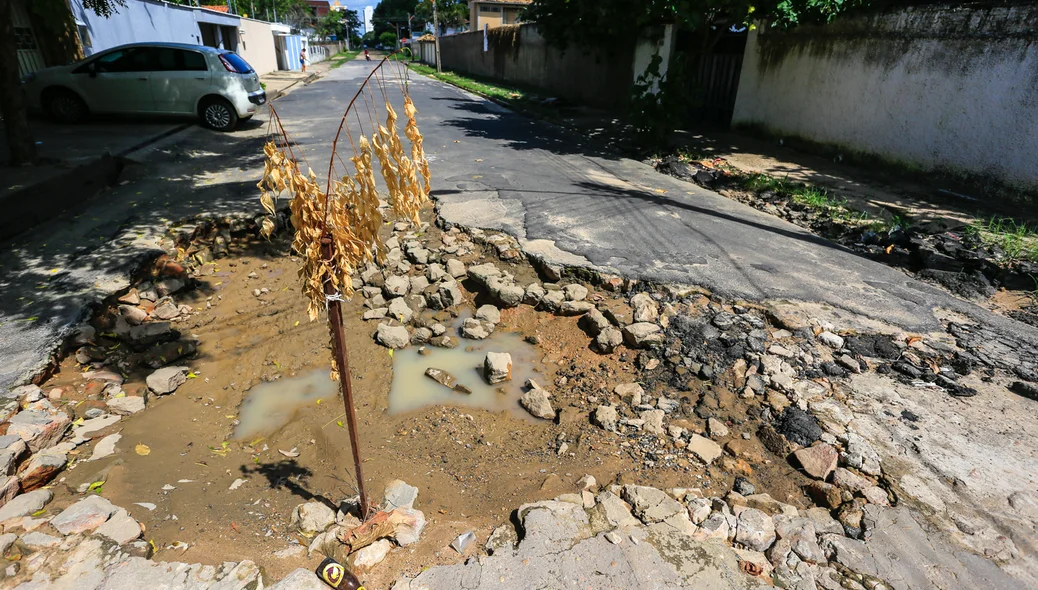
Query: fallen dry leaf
column 291, row 454
column 142, row 449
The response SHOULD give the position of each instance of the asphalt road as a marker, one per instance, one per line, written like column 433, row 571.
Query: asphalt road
column 565, row 200
column 575, row 203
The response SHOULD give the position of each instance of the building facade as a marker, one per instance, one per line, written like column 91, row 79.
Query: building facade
column 147, row 20
column 494, row 13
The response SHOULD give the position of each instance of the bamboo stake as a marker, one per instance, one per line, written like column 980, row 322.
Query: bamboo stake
column 343, row 365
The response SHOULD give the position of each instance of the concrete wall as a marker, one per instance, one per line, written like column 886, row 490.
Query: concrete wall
column 145, row 20
column 938, row 87
column 425, row 52
column 256, row 45
column 518, row 54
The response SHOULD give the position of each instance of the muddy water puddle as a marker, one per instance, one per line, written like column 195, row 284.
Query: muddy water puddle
column 270, row 405
column 412, row 389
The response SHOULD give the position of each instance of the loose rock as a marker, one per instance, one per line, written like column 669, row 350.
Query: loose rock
column 312, row 517
column 537, row 402
column 372, row 555
column 704, row 448
column 167, row 380
column 85, row 515
column 25, row 504
column 392, row 336
column 755, row 530
column 642, row 335
column 605, row 417
column 818, row 461
column 124, row 406
column 497, row 367
column 489, row 313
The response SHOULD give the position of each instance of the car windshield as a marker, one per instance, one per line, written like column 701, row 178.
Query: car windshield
column 239, row 64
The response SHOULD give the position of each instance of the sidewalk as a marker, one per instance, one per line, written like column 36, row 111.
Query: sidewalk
column 279, row 83
column 76, row 162
column 881, row 192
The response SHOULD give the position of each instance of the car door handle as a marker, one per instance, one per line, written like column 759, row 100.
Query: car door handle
column 142, row 79
column 199, row 78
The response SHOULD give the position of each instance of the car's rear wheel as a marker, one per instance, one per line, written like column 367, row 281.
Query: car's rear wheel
column 64, row 106
column 219, row 114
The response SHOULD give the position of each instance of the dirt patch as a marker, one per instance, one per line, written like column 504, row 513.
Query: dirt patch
column 752, row 379
column 472, row 467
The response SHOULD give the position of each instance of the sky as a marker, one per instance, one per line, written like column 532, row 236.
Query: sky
column 357, row 5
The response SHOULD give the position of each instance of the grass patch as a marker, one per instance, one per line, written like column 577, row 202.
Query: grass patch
column 1018, row 240
column 517, row 98
column 342, row 57
column 810, row 196
column 816, row 198
column 813, row 197
column 486, row 89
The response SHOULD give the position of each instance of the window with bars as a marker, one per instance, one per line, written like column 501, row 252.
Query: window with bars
column 24, row 39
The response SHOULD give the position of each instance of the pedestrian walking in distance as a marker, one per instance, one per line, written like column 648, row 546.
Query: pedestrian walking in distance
column 302, row 58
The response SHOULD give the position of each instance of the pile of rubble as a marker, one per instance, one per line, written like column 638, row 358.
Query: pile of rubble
column 43, row 433
column 95, row 545
column 635, row 536
column 342, row 535
column 416, row 291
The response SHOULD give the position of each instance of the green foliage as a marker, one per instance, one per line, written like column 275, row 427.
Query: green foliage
column 517, row 98
column 451, row 13
column 339, row 23
column 804, row 194
column 387, row 39
column 1019, row 240
column 657, row 103
column 104, row 8
column 604, row 22
column 392, row 12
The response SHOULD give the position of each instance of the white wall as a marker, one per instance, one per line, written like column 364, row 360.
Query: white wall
column 256, row 45
column 146, row 20
column 659, row 42
column 937, row 87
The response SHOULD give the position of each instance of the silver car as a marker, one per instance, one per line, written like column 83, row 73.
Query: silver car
column 151, row 78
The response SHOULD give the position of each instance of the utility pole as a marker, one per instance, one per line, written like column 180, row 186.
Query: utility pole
column 436, row 34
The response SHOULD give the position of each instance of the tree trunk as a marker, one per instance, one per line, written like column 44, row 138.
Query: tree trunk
column 12, row 102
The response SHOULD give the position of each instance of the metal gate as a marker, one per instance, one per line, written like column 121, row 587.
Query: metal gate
column 29, row 57
column 710, row 75
column 714, row 84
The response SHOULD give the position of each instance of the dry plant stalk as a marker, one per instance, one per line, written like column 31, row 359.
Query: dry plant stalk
column 336, row 230
column 349, row 211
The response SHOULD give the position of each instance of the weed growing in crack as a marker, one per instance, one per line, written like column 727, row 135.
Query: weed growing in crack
column 1017, row 240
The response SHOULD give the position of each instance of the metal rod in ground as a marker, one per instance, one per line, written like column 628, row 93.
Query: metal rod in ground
column 343, row 365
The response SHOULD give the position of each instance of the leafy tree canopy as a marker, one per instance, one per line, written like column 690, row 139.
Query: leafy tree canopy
column 451, row 13
column 392, row 12
column 104, row 8
column 339, row 23
column 603, row 22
